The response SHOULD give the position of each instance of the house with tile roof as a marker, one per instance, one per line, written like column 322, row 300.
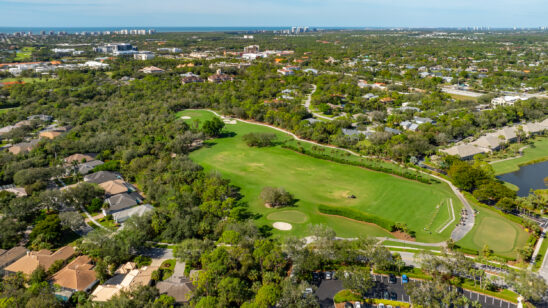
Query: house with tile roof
column 7, row 257
column 123, row 215
column 116, row 187
column 102, row 177
column 80, row 158
column 50, row 134
column 78, row 275
column 44, row 258
column 126, row 277
column 123, row 201
column 180, row 288
column 88, row 166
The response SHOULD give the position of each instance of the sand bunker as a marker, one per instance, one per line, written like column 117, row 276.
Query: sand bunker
column 186, row 118
column 284, row 226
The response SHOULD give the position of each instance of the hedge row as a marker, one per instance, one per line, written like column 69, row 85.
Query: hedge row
column 357, row 215
column 366, row 164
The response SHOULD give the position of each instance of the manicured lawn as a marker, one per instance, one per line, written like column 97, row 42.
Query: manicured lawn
column 314, row 181
column 4, row 110
column 491, row 229
column 541, row 255
column 537, row 151
column 24, row 54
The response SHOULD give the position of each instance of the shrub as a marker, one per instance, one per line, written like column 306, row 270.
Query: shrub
column 346, row 296
column 259, row 139
column 276, row 197
column 142, row 261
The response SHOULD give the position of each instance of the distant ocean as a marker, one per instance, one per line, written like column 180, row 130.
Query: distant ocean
column 158, row 29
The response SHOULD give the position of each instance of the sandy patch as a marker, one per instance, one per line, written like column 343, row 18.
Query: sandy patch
column 284, row 226
column 230, row 121
column 186, row 117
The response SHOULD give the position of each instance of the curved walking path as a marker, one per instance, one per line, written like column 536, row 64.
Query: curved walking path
column 458, row 233
column 317, row 115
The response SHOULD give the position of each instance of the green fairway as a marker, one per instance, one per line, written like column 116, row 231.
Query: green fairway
column 24, row 54
column 314, row 181
column 491, row 229
column 537, row 151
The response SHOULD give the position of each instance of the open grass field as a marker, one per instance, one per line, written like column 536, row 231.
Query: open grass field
column 314, row 181
column 24, row 54
column 537, row 151
column 463, row 97
column 502, row 236
column 23, row 79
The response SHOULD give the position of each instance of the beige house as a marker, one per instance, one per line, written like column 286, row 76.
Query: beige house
column 127, row 277
column 50, row 134
column 116, row 187
column 79, row 158
column 78, row 275
column 44, row 258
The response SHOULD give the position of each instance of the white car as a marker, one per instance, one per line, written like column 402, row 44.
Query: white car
column 357, row 305
column 381, row 305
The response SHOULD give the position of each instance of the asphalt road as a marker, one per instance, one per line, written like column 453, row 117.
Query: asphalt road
column 328, row 288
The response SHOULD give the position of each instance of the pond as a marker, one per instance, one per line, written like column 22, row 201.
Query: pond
column 527, row 177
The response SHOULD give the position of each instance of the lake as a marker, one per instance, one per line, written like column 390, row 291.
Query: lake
column 527, row 177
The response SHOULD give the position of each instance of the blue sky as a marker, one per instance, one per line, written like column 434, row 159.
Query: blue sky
column 355, row 13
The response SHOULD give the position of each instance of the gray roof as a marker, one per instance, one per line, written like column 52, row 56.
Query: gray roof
column 392, row 130
column 12, row 255
column 85, row 168
column 178, row 287
column 102, row 176
column 140, row 210
column 312, row 120
column 115, row 280
column 123, row 201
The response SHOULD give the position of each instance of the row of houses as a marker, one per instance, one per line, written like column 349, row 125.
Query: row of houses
column 218, row 77
column 495, row 140
column 79, row 274
column 49, row 132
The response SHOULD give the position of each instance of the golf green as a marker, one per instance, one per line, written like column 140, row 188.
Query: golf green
column 314, row 181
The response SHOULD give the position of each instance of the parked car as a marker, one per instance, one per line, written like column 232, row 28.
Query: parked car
column 386, row 295
column 316, row 276
column 392, row 278
column 328, row 275
column 381, row 305
column 348, row 305
column 404, row 279
column 357, row 305
column 393, row 296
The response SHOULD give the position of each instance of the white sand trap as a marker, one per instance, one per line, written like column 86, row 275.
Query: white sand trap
column 230, row 121
column 284, row 226
column 186, row 117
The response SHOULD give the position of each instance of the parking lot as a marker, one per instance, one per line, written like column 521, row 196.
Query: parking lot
column 383, row 289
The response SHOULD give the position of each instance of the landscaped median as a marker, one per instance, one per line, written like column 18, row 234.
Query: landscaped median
column 348, row 296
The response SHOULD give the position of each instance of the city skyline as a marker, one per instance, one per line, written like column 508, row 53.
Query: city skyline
column 268, row 13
